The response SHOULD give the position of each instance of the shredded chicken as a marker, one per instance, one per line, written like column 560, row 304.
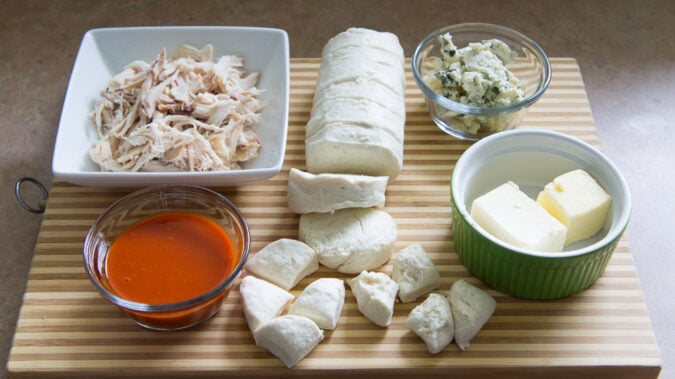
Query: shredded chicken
column 186, row 113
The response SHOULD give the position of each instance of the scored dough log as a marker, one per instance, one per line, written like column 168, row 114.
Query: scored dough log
column 361, row 89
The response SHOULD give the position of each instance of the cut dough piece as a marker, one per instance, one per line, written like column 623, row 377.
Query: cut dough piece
column 471, row 309
column 290, row 338
column 321, row 301
column 284, row 262
column 352, row 149
column 414, row 273
column 375, row 294
column 385, row 41
column 362, row 112
column 432, row 322
column 350, row 240
column 262, row 301
column 325, row 193
column 364, row 89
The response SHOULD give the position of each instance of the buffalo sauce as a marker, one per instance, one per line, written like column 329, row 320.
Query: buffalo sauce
column 169, row 258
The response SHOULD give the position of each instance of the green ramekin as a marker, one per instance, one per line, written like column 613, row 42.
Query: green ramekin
column 532, row 158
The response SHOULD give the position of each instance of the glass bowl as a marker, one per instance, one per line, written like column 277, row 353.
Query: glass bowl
column 469, row 122
column 217, row 216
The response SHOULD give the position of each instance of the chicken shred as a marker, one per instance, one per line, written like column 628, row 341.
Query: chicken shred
column 185, row 113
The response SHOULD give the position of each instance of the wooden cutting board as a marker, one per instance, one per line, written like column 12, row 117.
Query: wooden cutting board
column 66, row 329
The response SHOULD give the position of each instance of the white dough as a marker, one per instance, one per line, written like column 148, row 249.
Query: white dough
column 354, row 67
column 283, row 262
column 325, row 193
column 262, row 301
column 375, row 294
column 321, row 301
column 364, row 89
column 432, row 321
column 353, row 149
column 373, row 39
column 362, row 112
column 290, row 338
column 365, row 53
column 358, row 115
column 471, row 309
column 415, row 273
column 350, row 240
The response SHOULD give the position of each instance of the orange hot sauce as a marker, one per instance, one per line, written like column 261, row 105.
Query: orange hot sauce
column 169, row 258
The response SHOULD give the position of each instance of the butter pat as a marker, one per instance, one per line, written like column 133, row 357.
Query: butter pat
column 578, row 202
column 510, row 215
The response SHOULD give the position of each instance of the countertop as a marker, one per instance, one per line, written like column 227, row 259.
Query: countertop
column 625, row 51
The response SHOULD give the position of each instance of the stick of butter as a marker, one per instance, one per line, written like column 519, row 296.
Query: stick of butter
column 510, row 215
column 577, row 201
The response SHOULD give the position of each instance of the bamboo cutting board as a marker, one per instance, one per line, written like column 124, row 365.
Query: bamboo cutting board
column 66, row 329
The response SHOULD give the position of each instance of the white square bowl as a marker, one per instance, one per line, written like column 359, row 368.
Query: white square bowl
column 105, row 52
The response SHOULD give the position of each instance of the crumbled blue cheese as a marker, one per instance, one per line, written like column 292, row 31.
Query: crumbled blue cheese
column 476, row 75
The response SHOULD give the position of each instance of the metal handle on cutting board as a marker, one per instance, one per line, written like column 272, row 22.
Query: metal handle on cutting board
column 43, row 201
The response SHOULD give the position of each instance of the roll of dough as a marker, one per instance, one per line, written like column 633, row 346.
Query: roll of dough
column 358, row 115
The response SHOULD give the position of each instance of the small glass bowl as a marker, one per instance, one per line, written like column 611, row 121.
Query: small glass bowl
column 152, row 201
column 531, row 66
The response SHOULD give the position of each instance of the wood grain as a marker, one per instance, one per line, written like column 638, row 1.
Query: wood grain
column 66, row 329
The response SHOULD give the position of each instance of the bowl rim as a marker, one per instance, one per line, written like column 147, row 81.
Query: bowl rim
column 471, row 109
column 612, row 234
column 180, row 305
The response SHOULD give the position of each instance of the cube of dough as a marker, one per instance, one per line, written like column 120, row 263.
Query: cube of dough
column 578, row 202
column 283, row 262
column 375, row 294
column 350, row 240
column 321, row 301
column 511, row 216
column 471, row 309
column 414, row 273
column 262, row 301
column 326, row 193
column 432, row 321
column 290, row 338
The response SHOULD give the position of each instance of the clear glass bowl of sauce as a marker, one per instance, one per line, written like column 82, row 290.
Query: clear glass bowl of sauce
column 167, row 255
